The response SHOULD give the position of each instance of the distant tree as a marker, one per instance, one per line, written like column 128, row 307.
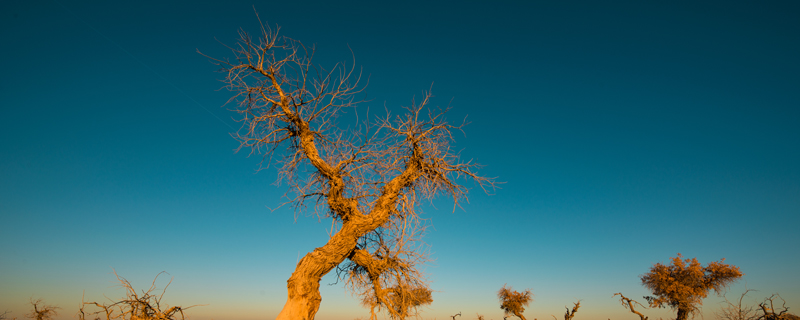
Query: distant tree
column 685, row 283
column 42, row 311
column 514, row 302
column 368, row 177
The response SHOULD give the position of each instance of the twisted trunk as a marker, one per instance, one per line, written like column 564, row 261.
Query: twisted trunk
column 303, row 286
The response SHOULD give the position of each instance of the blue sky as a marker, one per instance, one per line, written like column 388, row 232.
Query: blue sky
column 625, row 132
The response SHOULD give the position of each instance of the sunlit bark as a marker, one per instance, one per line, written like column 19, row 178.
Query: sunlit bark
column 367, row 176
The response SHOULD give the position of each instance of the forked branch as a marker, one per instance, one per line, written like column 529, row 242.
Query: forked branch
column 630, row 305
column 768, row 308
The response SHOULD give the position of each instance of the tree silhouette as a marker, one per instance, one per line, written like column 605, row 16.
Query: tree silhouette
column 685, row 283
column 367, row 176
column 514, row 302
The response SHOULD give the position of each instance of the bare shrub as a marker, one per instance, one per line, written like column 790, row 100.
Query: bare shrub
column 737, row 310
column 146, row 305
column 4, row 315
column 42, row 311
column 768, row 311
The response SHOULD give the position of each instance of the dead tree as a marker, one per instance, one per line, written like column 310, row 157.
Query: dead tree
column 514, row 302
column 629, row 304
column 768, row 311
column 737, row 310
column 42, row 311
column 145, row 306
column 367, row 176
column 455, row 315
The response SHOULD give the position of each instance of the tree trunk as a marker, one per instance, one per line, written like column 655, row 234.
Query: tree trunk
column 304, row 298
column 682, row 313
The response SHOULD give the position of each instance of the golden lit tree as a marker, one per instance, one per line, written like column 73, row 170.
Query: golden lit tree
column 514, row 302
column 367, row 176
column 685, row 283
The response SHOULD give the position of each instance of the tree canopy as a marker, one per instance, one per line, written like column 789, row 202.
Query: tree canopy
column 684, row 284
column 514, row 302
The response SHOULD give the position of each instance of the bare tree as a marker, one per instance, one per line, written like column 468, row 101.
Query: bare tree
column 368, row 177
column 514, row 302
column 42, row 311
column 629, row 304
column 145, row 306
column 685, row 283
column 737, row 310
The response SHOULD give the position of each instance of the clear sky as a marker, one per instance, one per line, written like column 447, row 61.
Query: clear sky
column 625, row 132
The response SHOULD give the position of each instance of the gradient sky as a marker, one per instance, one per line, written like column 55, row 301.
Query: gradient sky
column 625, row 133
